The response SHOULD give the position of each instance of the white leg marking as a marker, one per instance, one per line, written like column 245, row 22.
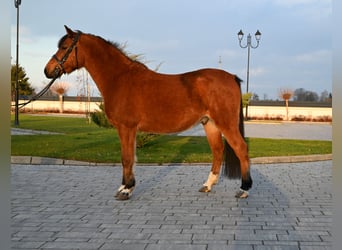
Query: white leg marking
column 127, row 191
column 212, row 180
column 124, row 193
column 242, row 194
column 121, row 188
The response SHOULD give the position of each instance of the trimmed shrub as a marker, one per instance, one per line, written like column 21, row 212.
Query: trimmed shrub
column 144, row 138
column 99, row 117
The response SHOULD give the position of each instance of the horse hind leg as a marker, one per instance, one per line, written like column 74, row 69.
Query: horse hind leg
column 214, row 137
column 239, row 148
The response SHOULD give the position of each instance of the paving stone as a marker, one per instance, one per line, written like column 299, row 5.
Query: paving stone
column 27, row 245
column 265, row 236
column 216, row 246
column 275, row 247
column 83, row 235
column 175, row 247
column 123, row 246
column 71, row 245
column 315, row 247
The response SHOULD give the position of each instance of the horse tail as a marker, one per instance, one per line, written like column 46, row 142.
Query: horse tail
column 231, row 167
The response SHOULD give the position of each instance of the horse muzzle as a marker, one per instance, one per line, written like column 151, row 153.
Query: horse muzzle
column 57, row 72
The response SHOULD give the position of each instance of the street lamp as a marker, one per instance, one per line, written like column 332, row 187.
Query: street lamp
column 249, row 46
column 16, row 119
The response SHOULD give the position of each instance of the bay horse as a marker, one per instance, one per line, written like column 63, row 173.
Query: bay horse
column 139, row 99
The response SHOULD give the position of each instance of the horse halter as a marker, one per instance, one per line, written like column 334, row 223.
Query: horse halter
column 66, row 55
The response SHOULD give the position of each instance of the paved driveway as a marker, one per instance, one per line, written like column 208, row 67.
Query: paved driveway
column 72, row 207
column 280, row 130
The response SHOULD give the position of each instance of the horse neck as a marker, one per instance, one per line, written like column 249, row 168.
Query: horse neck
column 103, row 61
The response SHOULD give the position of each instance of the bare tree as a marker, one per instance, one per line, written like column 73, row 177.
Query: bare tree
column 286, row 95
column 60, row 89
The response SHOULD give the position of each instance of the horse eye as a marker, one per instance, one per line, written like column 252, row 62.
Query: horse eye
column 64, row 47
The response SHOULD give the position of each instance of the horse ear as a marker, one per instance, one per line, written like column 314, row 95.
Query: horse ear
column 69, row 31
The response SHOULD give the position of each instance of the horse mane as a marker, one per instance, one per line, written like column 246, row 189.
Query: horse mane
column 121, row 48
column 116, row 45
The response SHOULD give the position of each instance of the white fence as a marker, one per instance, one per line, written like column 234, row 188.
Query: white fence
column 255, row 112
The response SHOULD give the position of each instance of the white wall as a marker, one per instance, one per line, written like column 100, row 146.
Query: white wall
column 276, row 111
column 69, row 106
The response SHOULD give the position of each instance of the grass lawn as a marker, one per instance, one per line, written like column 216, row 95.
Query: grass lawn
column 88, row 142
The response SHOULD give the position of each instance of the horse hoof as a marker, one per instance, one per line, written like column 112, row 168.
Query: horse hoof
column 120, row 196
column 242, row 194
column 204, row 189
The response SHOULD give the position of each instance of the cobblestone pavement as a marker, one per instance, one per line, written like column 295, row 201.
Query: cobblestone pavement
column 72, row 207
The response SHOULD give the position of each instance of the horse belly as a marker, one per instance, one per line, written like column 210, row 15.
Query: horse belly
column 169, row 122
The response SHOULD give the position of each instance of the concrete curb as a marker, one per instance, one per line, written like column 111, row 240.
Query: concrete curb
column 34, row 160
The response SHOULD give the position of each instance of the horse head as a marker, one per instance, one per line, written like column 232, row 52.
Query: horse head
column 65, row 60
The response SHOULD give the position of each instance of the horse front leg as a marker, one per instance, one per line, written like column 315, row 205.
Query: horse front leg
column 127, row 139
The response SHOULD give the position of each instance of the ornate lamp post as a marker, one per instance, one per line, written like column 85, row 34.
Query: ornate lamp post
column 16, row 120
column 248, row 46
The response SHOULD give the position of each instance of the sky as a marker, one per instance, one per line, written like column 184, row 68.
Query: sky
column 295, row 49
